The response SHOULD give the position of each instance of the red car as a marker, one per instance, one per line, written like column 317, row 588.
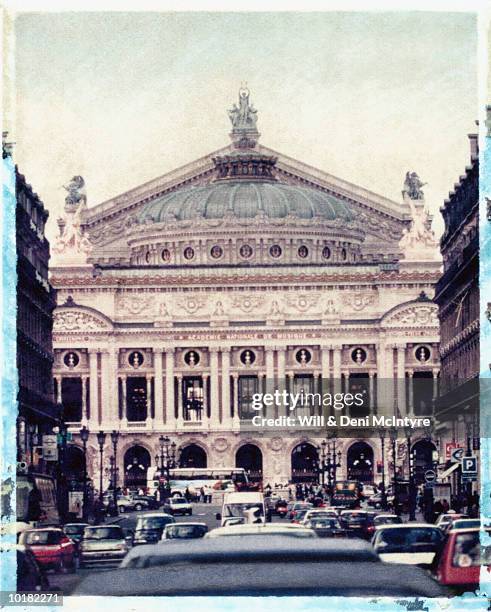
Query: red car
column 51, row 548
column 458, row 562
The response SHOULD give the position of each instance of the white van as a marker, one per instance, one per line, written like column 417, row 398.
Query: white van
column 243, row 508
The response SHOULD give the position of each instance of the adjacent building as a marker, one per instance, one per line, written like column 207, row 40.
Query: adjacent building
column 36, row 301
column 457, row 295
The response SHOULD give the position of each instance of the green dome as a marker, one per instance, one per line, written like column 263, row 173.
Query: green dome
column 245, row 199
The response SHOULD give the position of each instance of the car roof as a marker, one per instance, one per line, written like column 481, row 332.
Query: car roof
column 237, row 548
column 172, row 525
column 154, row 515
column 470, row 530
column 45, row 529
column 75, row 524
column 409, row 526
column 246, row 497
column 264, row 527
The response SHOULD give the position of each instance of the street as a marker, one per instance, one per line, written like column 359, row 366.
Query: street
column 202, row 513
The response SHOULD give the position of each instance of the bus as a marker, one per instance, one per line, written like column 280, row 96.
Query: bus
column 346, row 493
column 36, row 499
column 194, row 479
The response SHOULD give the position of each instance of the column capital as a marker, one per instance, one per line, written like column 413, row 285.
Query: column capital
column 235, row 375
column 93, row 351
column 169, row 350
column 205, row 376
column 400, row 346
column 410, row 373
column 213, row 350
column 371, row 373
column 225, row 349
column 435, row 372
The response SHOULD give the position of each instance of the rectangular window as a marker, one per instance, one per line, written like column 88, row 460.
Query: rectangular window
column 71, row 398
column 192, row 399
column 136, row 398
column 248, row 386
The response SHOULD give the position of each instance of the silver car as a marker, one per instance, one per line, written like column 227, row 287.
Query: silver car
column 103, row 544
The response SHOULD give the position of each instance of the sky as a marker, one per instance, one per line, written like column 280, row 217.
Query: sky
column 121, row 98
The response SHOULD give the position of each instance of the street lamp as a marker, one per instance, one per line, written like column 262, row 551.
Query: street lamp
column 323, row 462
column 393, row 442
column 114, row 440
column 384, row 492
column 165, row 461
column 412, row 488
column 84, row 436
column 101, row 438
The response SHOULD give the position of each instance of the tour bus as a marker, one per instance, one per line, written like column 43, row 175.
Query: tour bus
column 41, row 488
column 242, row 508
column 194, row 479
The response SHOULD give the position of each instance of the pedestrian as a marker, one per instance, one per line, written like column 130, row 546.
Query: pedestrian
column 437, row 508
column 202, row 495
column 187, row 494
column 445, row 506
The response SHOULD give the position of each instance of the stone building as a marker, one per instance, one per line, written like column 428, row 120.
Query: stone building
column 457, row 295
column 180, row 299
column 36, row 301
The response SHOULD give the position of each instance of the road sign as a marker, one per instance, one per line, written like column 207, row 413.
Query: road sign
column 457, row 454
column 449, row 447
column 430, row 476
column 50, row 448
column 469, row 465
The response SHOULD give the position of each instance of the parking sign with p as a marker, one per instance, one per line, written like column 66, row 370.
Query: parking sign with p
column 469, row 465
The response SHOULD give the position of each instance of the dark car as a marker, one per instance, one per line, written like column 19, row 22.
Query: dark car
column 378, row 520
column 325, row 527
column 354, row 521
column 152, row 502
column 260, row 566
column 185, row 531
column 281, row 508
column 75, row 531
column 150, row 526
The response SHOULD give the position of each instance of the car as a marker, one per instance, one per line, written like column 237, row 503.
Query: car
column 378, row 520
column 376, row 501
column 368, row 491
column 445, row 519
column 411, row 543
column 103, row 544
column 299, row 515
column 266, row 529
column 259, row 566
column 354, row 521
column 468, row 523
column 459, row 559
column 51, row 548
column 320, row 513
column 325, row 527
column 152, row 503
column 129, row 504
column 294, row 506
column 150, row 526
column 184, row 531
column 180, row 505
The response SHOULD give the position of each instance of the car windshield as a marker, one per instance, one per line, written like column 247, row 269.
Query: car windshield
column 467, row 551
column 103, row 533
column 185, row 532
column 42, row 538
column 153, row 522
column 242, row 510
column 178, row 500
column 407, row 540
column 74, row 529
column 387, row 520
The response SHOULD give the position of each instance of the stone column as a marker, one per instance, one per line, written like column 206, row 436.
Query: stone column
column 316, row 408
column 336, row 368
column 371, row 391
column 149, row 420
column 206, row 382
column 124, row 407
column 180, row 411
column 325, row 373
column 158, row 388
column 113, row 385
column 214, row 401
column 385, row 375
column 269, row 369
column 235, row 377
column 84, row 400
column 106, row 400
column 169, row 414
column 401, row 378
column 59, row 397
column 410, row 408
column 226, row 416
column 94, row 399
column 281, row 375
column 435, row 371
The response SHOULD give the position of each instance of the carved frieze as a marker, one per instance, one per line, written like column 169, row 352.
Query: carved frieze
column 359, row 301
column 77, row 320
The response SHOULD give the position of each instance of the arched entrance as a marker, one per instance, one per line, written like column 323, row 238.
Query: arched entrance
column 193, row 456
column 422, row 452
column 74, row 465
column 136, row 463
column 305, row 460
column 250, row 458
column 359, row 462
